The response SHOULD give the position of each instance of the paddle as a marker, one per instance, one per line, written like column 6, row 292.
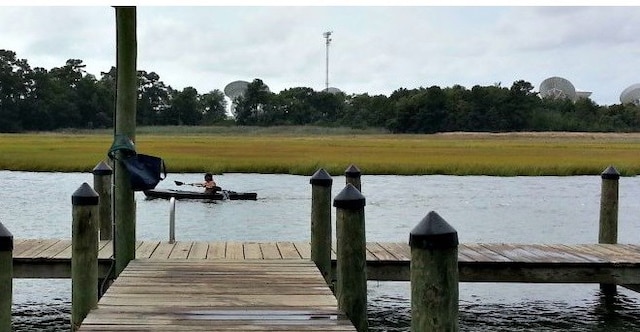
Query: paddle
column 180, row 183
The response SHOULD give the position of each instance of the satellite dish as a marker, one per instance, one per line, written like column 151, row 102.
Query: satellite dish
column 557, row 88
column 332, row 90
column 236, row 89
column 631, row 95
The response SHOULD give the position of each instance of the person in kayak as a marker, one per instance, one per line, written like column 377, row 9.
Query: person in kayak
column 210, row 186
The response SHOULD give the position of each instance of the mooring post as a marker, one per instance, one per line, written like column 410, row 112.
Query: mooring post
column 6, row 278
column 352, row 175
column 434, row 275
column 84, row 254
column 102, row 178
column 321, row 183
column 608, row 232
column 351, row 268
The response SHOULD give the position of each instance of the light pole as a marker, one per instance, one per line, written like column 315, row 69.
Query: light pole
column 327, row 36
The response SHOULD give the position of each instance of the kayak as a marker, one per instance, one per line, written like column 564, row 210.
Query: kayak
column 185, row 194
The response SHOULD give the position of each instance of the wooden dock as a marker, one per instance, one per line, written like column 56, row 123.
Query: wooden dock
column 218, row 295
column 478, row 262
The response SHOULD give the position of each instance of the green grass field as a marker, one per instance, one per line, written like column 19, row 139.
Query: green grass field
column 302, row 151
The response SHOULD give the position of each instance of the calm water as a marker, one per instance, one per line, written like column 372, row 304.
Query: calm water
column 482, row 209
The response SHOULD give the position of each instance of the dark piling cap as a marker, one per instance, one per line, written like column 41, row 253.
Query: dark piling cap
column 6, row 239
column 102, row 169
column 85, row 195
column 433, row 232
column 352, row 172
column 611, row 173
column 349, row 198
column 321, row 178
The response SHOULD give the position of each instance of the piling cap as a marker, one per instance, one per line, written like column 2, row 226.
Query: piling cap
column 349, row 198
column 611, row 173
column 102, row 169
column 433, row 232
column 352, row 172
column 321, row 178
column 85, row 195
column 6, row 239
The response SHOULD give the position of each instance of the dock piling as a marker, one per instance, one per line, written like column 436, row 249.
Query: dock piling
column 351, row 267
column 84, row 254
column 608, row 230
column 434, row 275
column 6, row 278
column 352, row 175
column 321, row 183
column 102, row 178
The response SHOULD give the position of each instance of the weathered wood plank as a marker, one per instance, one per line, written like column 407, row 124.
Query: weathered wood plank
column 252, row 250
column 163, row 250
column 270, row 250
column 235, row 250
column 198, row 250
column 217, row 250
column 288, row 250
column 146, row 249
column 304, row 249
column 181, row 250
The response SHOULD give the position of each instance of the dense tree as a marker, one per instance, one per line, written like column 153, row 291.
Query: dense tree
column 213, row 107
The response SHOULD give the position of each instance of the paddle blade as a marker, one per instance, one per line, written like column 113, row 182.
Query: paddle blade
column 178, row 183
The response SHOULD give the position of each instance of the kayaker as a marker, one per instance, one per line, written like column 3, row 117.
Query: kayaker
column 209, row 184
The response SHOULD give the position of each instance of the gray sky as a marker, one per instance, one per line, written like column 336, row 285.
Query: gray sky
column 374, row 49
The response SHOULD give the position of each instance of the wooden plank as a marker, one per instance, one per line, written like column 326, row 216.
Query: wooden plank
column 379, row 252
column 181, row 250
column 146, row 248
column 217, row 250
column 235, row 250
column 55, row 249
column 270, row 250
column 252, row 250
column 480, row 254
column 198, row 250
column 401, row 251
column 36, row 247
column 163, row 250
column 288, row 250
column 304, row 249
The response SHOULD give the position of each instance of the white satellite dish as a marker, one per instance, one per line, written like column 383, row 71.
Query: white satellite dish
column 557, row 88
column 631, row 95
column 236, row 89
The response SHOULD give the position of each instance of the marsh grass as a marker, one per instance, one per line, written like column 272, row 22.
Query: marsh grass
column 295, row 151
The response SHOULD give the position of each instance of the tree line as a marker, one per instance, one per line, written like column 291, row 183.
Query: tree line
column 37, row 99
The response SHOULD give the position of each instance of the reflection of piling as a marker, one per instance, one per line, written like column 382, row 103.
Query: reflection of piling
column 321, row 183
column 6, row 278
column 84, row 254
column 102, row 177
column 352, row 175
column 608, row 232
column 434, row 275
column 351, row 282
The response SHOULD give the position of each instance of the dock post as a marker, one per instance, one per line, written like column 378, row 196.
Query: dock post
column 102, row 178
column 608, row 232
column 321, row 183
column 352, row 175
column 84, row 254
column 351, row 269
column 6, row 278
column 434, row 275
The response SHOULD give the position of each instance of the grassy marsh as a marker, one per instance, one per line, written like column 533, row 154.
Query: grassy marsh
column 303, row 150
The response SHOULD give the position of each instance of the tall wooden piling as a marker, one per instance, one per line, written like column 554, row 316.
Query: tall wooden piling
column 351, row 274
column 6, row 278
column 608, row 231
column 125, row 126
column 321, row 183
column 352, row 175
column 434, row 275
column 84, row 254
column 102, row 178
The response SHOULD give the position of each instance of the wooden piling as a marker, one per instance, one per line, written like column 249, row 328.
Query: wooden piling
column 321, row 183
column 434, row 275
column 352, row 175
column 6, row 278
column 102, row 178
column 608, row 230
column 84, row 254
column 125, row 126
column 351, row 271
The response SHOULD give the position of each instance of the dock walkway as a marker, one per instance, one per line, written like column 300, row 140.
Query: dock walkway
column 478, row 262
column 218, row 295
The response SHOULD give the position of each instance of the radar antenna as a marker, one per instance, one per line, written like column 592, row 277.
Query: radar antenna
column 327, row 37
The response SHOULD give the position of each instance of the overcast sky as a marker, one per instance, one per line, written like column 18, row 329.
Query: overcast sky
column 374, row 49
